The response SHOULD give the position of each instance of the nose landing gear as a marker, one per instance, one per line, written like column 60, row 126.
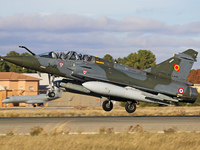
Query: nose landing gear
column 51, row 93
column 107, row 105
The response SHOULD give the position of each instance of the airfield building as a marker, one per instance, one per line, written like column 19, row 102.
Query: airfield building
column 15, row 84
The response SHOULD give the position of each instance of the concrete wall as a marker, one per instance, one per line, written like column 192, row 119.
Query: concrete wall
column 21, row 87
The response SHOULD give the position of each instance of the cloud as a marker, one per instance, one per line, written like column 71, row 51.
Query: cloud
column 75, row 23
column 45, row 32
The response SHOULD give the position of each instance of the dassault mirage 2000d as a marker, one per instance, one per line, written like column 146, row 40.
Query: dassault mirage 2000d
column 90, row 75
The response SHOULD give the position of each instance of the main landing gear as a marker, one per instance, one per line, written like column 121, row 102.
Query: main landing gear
column 130, row 106
column 107, row 105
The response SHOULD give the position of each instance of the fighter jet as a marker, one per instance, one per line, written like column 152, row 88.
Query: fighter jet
column 33, row 99
column 90, row 75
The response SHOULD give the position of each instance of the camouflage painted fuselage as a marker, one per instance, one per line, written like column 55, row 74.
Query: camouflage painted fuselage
column 167, row 78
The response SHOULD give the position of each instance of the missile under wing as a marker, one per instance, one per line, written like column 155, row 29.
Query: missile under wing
column 90, row 75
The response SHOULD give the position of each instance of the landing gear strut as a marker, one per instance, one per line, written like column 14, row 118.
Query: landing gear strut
column 130, row 107
column 107, row 105
column 51, row 92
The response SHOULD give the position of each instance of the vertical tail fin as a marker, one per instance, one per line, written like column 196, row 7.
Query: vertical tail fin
column 176, row 68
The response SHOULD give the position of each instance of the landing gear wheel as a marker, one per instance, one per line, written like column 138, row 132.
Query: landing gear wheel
column 51, row 94
column 34, row 105
column 107, row 105
column 130, row 107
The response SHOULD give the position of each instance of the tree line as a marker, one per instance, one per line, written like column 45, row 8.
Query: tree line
column 194, row 76
column 143, row 59
column 10, row 67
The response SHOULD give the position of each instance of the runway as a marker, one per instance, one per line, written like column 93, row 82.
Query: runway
column 93, row 124
column 36, row 108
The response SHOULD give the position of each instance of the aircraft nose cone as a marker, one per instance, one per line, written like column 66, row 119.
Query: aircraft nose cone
column 3, row 101
column 14, row 59
column 24, row 61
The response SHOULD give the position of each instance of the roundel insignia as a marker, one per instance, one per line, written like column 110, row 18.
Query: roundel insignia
column 176, row 67
column 84, row 71
column 180, row 90
column 61, row 64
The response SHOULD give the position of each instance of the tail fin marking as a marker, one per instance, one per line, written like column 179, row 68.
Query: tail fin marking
column 176, row 68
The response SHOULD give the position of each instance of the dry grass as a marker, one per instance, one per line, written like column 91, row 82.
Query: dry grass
column 134, row 138
column 98, row 111
column 123, row 141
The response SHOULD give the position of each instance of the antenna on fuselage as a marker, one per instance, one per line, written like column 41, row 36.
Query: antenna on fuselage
column 27, row 50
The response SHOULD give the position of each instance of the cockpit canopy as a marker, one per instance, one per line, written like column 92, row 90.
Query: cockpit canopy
column 67, row 55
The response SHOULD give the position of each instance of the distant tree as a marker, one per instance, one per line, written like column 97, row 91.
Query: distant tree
column 108, row 57
column 132, row 60
column 26, row 54
column 146, row 59
column 142, row 60
column 13, row 53
column 194, row 76
column 3, row 66
column 13, row 67
column 122, row 60
column 10, row 67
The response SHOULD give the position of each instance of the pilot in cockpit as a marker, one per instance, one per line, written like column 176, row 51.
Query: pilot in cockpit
column 80, row 56
column 65, row 56
column 54, row 55
column 85, row 57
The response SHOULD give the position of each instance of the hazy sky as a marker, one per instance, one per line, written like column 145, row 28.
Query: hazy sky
column 116, row 27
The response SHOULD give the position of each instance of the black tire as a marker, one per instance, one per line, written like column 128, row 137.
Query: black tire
column 130, row 107
column 34, row 105
column 107, row 105
column 51, row 94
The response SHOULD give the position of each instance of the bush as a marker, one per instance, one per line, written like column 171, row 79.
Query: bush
column 122, row 104
column 36, row 131
column 10, row 133
column 171, row 130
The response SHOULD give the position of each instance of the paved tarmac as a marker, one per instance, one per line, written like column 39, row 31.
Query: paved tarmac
column 93, row 124
column 36, row 108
